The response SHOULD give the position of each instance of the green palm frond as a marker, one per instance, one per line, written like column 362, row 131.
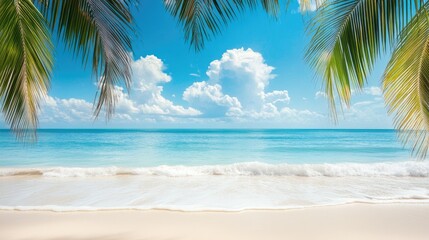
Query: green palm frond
column 99, row 30
column 347, row 38
column 25, row 64
column 406, row 84
column 203, row 19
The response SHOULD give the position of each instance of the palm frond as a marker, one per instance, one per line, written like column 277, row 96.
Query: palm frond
column 203, row 19
column 99, row 30
column 406, row 84
column 347, row 38
column 25, row 64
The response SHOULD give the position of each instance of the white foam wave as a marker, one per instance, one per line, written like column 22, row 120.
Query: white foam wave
column 387, row 169
column 56, row 208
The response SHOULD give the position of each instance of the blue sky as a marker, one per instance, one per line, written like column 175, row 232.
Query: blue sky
column 252, row 75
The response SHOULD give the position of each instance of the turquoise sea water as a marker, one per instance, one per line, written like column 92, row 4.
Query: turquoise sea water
column 191, row 169
column 143, row 148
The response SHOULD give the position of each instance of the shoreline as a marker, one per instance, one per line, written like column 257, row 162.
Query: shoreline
column 348, row 221
column 85, row 209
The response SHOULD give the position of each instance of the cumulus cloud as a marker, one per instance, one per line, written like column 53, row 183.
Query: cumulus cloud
column 79, row 111
column 243, row 74
column 237, row 87
column 145, row 102
column 277, row 97
column 70, row 110
column 148, row 74
column 211, row 99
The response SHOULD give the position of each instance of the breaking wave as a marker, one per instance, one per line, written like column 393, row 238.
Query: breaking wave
column 387, row 169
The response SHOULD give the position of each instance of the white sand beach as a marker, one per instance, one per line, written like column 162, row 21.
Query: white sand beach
column 352, row 221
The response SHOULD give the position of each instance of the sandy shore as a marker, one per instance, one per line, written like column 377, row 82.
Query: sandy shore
column 356, row 221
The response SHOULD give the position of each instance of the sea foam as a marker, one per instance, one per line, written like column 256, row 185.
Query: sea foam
column 386, row 169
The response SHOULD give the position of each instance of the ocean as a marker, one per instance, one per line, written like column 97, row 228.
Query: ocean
column 207, row 169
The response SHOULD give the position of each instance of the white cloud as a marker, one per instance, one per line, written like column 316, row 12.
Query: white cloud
column 236, row 88
column 70, row 110
column 320, row 94
column 277, row 97
column 367, row 113
column 145, row 102
column 124, row 104
column 243, row 74
column 211, row 99
column 362, row 103
column 148, row 74
column 301, row 116
column 194, row 75
column 374, row 91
